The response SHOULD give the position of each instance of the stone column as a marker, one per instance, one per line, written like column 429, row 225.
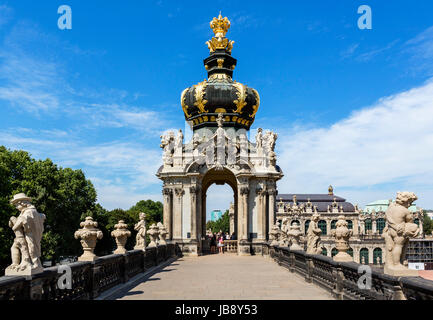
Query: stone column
column 232, row 218
column 272, row 193
column 261, row 214
column 168, row 212
column 370, row 255
column 328, row 226
column 193, row 190
column 177, row 214
column 355, row 226
column 243, row 224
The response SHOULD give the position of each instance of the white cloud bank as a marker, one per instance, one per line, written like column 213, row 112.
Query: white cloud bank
column 370, row 155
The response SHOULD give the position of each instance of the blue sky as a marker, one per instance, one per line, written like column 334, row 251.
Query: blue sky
column 353, row 108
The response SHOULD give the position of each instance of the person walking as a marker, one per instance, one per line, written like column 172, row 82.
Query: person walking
column 213, row 243
column 221, row 244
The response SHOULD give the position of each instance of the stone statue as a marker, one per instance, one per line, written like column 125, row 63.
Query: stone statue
column 140, row 227
column 153, row 235
column 167, row 142
column 295, row 235
column 274, row 235
column 342, row 234
column 88, row 234
column 400, row 228
column 313, row 236
column 162, row 234
column 283, row 239
column 179, row 140
column 121, row 234
column 259, row 140
column 28, row 228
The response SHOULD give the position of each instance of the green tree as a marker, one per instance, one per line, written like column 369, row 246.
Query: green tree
column 222, row 223
column 427, row 223
column 61, row 194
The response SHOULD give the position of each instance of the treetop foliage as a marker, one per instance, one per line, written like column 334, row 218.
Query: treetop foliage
column 66, row 197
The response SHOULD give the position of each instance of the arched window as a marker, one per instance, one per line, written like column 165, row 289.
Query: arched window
column 294, row 221
column 324, row 252
column 416, row 221
column 368, row 225
column 307, row 224
column 333, row 222
column 349, row 224
column 363, row 256
column 350, row 252
column 377, row 256
column 380, row 225
column 322, row 226
column 334, row 252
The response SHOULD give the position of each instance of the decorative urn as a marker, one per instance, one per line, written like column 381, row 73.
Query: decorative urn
column 153, row 235
column 121, row 234
column 295, row 234
column 89, row 234
column 342, row 234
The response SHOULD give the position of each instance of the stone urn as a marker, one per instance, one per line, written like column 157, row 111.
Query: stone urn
column 342, row 234
column 274, row 235
column 153, row 233
column 121, row 234
column 162, row 234
column 89, row 234
column 295, row 234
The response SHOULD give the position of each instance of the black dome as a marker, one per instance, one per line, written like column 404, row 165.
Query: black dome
column 203, row 102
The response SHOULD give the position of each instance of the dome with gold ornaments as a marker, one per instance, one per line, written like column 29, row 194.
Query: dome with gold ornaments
column 219, row 93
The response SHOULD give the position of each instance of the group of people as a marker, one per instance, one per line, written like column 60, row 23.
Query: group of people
column 217, row 240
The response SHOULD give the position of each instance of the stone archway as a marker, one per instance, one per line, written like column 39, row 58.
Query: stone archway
column 220, row 178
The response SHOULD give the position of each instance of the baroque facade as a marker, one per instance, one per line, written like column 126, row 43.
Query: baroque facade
column 220, row 112
column 366, row 243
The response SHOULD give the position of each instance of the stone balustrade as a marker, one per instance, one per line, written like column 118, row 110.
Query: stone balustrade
column 341, row 278
column 231, row 246
column 89, row 278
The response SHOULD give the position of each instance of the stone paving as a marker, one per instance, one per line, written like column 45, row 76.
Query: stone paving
column 224, row 276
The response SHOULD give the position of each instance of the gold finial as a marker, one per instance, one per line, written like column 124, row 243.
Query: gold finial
column 330, row 190
column 220, row 27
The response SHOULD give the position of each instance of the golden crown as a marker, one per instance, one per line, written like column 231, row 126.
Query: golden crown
column 220, row 26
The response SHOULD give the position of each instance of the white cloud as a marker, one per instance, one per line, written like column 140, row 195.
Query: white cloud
column 388, row 146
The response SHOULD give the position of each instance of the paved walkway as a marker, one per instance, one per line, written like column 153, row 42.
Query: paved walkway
column 231, row 277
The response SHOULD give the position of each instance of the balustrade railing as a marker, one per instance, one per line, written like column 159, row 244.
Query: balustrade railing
column 231, row 246
column 343, row 279
column 88, row 279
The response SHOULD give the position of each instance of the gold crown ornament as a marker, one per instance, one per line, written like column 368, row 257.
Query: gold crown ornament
column 220, row 27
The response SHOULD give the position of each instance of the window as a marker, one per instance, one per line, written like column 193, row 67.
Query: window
column 363, row 256
column 325, row 252
column 333, row 222
column 416, row 221
column 377, row 256
column 349, row 224
column 368, row 225
column 307, row 224
column 380, row 225
column 334, row 252
column 294, row 221
column 322, row 226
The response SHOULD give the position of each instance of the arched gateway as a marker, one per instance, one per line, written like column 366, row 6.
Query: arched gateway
column 220, row 112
